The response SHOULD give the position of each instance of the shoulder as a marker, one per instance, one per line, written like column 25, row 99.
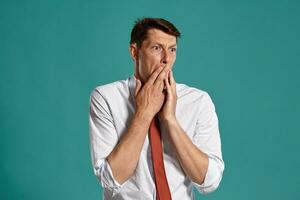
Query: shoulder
column 193, row 93
column 110, row 89
column 195, row 97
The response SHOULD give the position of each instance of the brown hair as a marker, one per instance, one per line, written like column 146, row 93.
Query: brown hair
column 141, row 27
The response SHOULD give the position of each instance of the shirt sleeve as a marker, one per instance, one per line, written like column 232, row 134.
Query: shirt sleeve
column 207, row 139
column 103, row 138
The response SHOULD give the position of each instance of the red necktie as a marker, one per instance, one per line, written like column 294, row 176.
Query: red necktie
column 161, row 183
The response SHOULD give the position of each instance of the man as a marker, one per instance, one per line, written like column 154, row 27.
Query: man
column 124, row 114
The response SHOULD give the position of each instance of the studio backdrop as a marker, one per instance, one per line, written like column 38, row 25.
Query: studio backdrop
column 245, row 54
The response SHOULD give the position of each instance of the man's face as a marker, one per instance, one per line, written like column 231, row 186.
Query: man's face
column 158, row 49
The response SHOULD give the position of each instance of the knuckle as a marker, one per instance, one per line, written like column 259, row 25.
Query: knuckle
column 163, row 74
column 160, row 78
column 146, row 87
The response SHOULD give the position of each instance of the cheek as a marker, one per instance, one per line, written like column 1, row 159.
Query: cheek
column 144, row 67
column 173, row 60
column 148, row 63
column 152, row 62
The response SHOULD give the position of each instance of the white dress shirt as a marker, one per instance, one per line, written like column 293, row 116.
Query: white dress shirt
column 112, row 107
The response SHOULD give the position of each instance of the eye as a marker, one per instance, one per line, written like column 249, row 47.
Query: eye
column 156, row 48
column 173, row 49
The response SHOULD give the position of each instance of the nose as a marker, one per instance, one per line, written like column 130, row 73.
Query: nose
column 165, row 57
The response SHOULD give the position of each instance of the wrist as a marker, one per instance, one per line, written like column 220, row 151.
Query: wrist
column 143, row 117
column 170, row 121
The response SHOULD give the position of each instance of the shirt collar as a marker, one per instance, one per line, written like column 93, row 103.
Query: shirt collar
column 131, row 85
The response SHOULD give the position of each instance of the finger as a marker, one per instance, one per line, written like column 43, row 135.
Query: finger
column 168, row 88
column 167, row 83
column 172, row 80
column 159, row 82
column 137, row 86
column 154, row 75
column 166, row 80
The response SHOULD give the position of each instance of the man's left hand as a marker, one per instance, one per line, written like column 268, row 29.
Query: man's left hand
column 168, row 110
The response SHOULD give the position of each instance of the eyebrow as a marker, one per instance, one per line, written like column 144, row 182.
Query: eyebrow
column 174, row 45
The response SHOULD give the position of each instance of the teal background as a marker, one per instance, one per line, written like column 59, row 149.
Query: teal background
column 53, row 53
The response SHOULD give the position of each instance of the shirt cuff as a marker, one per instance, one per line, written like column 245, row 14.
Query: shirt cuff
column 212, row 178
column 108, row 181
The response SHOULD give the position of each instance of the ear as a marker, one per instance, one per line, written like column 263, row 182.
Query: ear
column 133, row 51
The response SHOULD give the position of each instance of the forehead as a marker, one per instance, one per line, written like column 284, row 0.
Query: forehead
column 158, row 36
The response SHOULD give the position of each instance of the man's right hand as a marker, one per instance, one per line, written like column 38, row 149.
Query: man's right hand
column 149, row 98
